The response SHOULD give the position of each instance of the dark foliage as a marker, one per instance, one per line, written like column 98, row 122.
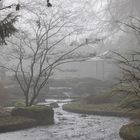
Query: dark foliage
column 49, row 4
column 7, row 27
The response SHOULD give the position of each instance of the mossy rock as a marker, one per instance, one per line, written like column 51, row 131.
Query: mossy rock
column 130, row 131
column 13, row 123
column 42, row 114
column 54, row 105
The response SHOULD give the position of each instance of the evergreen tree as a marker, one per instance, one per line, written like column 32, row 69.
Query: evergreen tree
column 7, row 27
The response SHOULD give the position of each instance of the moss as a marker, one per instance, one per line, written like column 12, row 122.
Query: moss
column 42, row 114
column 130, row 131
column 98, row 109
column 11, row 123
column 20, row 104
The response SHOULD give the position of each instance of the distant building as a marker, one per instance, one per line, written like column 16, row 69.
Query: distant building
column 98, row 68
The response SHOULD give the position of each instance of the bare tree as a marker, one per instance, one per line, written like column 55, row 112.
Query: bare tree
column 130, row 68
column 36, row 54
column 130, row 77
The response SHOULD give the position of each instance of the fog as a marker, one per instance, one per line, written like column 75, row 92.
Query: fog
column 79, row 56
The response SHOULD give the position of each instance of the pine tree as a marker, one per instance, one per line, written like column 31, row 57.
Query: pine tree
column 7, row 27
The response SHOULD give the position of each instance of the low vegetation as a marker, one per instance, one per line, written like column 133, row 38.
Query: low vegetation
column 108, row 109
column 103, row 104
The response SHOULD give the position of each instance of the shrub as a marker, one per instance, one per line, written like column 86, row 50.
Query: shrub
column 131, row 102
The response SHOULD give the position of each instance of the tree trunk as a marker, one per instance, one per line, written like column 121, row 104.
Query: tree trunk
column 32, row 101
column 27, row 100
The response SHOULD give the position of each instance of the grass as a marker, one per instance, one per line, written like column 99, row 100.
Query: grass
column 108, row 109
column 107, row 103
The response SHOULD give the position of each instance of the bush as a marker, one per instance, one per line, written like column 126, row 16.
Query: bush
column 131, row 102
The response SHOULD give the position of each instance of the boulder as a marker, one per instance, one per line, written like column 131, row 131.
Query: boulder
column 83, row 115
column 130, row 131
column 54, row 105
column 42, row 114
column 13, row 123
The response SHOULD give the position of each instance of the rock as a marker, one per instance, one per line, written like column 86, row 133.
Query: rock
column 71, row 123
column 54, row 105
column 83, row 115
column 4, row 112
column 130, row 131
column 58, row 113
column 102, row 130
column 42, row 114
column 63, row 119
column 12, row 123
